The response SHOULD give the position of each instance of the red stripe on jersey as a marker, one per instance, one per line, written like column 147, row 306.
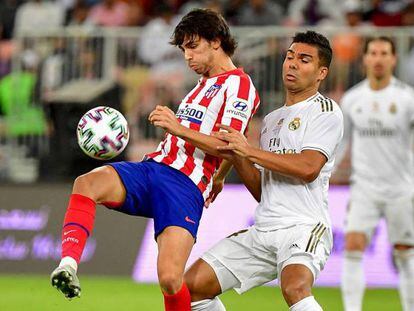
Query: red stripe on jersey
column 153, row 155
column 244, row 87
column 196, row 92
column 236, row 124
column 210, row 164
column 256, row 104
column 173, row 152
column 189, row 164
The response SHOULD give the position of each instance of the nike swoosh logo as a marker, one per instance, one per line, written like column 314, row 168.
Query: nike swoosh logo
column 187, row 219
column 67, row 232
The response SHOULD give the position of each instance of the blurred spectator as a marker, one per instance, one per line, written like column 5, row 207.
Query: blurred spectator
column 6, row 51
column 109, row 13
column 407, row 18
column 8, row 10
column 215, row 5
column 38, row 14
column 387, row 12
column 314, row 12
column 167, row 71
column 347, row 48
column 78, row 14
column 232, row 10
column 260, row 13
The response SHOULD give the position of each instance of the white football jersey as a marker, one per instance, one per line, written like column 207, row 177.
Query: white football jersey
column 380, row 126
column 316, row 124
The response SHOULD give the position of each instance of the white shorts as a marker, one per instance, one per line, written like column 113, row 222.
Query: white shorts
column 251, row 258
column 364, row 214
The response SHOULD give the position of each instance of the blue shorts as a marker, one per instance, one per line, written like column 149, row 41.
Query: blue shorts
column 157, row 191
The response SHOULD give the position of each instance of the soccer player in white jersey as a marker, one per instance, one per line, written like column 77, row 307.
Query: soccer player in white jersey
column 291, row 239
column 171, row 184
column 378, row 117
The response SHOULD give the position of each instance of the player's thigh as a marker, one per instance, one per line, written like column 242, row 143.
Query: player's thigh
column 174, row 247
column 102, row 184
column 202, row 280
column 305, row 245
column 363, row 215
column 241, row 261
column 399, row 215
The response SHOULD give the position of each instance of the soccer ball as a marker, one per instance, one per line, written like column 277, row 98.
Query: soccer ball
column 102, row 133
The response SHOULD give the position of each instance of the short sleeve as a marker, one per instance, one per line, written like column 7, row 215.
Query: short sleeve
column 410, row 100
column 241, row 102
column 324, row 132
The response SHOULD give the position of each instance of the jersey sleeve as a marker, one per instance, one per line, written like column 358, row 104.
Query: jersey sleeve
column 324, row 132
column 241, row 103
column 410, row 99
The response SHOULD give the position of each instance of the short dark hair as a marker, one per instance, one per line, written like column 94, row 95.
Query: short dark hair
column 380, row 38
column 206, row 24
column 319, row 41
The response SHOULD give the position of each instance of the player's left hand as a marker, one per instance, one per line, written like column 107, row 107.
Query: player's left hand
column 237, row 142
column 165, row 118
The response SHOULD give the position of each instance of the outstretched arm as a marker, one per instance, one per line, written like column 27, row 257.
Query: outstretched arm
column 304, row 166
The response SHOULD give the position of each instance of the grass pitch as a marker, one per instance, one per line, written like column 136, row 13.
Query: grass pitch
column 24, row 293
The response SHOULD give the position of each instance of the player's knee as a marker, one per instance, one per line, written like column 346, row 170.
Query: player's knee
column 355, row 242
column 89, row 184
column 170, row 282
column 296, row 291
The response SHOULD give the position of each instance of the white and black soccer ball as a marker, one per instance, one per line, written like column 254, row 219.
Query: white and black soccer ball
column 103, row 133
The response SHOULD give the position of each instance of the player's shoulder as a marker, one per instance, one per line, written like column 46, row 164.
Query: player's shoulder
column 324, row 104
column 238, row 75
column 401, row 87
column 355, row 91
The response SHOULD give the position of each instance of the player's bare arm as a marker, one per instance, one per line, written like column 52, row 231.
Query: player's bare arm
column 304, row 166
column 165, row 118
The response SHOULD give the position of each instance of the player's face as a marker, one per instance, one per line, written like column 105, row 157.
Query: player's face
column 379, row 60
column 199, row 54
column 301, row 68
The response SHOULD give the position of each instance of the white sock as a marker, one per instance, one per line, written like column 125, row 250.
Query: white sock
column 69, row 261
column 352, row 281
column 405, row 264
column 208, row 305
column 306, row 304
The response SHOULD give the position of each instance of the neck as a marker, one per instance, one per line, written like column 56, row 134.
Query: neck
column 379, row 83
column 224, row 64
column 293, row 97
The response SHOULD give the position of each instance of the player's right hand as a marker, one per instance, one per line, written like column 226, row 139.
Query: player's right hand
column 218, row 185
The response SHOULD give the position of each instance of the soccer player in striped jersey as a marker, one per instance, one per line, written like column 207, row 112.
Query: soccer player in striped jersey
column 291, row 239
column 379, row 118
column 171, row 184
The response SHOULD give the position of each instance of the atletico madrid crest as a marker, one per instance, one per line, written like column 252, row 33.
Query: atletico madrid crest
column 212, row 91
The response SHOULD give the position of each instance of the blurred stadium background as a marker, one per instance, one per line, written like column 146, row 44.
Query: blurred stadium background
column 60, row 58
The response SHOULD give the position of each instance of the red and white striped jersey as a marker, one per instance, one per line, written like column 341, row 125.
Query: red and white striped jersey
column 229, row 98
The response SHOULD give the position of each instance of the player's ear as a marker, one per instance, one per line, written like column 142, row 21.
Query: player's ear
column 323, row 72
column 215, row 43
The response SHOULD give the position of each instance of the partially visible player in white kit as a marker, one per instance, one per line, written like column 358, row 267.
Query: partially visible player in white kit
column 291, row 239
column 378, row 117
